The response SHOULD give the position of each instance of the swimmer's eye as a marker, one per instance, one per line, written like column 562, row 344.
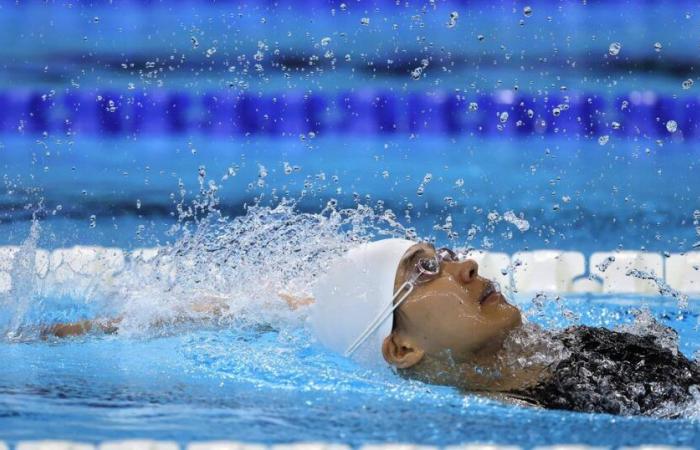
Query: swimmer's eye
column 428, row 266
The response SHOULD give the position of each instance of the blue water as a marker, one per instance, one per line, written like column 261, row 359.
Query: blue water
column 621, row 195
column 94, row 176
column 275, row 384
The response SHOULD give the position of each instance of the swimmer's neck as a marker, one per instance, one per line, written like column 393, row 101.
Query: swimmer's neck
column 512, row 367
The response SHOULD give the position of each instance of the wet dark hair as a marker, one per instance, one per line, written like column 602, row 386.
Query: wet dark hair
column 617, row 373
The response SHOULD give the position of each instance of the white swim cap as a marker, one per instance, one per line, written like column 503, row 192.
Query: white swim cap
column 351, row 294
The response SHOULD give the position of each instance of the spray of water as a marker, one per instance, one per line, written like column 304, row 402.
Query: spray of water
column 218, row 268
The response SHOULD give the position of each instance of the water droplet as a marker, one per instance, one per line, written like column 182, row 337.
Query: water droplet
column 325, row 41
column 473, row 106
column 602, row 140
column 481, row 37
column 519, row 221
column 503, row 117
column 287, row 168
column 138, row 203
column 615, row 48
column 364, row 21
column 615, row 125
column 687, row 84
column 452, row 21
column 417, row 73
column 343, row 7
column 603, row 266
column 556, row 112
column 657, row 46
column 93, row 221
column 671, row 126
column 527, row 11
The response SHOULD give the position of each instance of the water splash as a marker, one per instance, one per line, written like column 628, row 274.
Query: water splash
column 20, row 296
column 244, row 263
column 646, row 325
column 531, row 346
column 232, row 269
column 663, row 287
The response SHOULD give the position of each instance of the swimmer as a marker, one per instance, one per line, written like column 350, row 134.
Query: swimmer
column 430, row 315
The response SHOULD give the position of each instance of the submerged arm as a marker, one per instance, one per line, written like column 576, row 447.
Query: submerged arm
column 209, row 307
column 293, row 302
column 61, row 330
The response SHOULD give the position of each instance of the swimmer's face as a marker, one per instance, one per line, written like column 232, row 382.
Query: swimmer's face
column 457, row 315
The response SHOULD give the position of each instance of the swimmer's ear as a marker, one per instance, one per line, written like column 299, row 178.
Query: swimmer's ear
column 401, row 352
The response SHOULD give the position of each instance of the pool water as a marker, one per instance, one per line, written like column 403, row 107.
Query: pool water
column 576, row 194
column 114, row 116
column 274, row 384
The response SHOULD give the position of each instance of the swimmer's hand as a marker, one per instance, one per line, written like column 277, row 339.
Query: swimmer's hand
column 293, row 302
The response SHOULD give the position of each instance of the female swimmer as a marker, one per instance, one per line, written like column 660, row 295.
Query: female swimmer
column 434, row 318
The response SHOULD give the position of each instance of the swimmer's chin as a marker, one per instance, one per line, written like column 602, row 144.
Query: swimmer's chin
column 511, row 320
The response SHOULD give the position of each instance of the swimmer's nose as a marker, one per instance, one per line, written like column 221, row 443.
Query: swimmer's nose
column 469, row 271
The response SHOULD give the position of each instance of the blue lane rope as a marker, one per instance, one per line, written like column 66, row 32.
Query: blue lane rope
column 360, row 112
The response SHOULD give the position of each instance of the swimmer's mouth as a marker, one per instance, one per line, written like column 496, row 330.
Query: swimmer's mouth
column 487, row 292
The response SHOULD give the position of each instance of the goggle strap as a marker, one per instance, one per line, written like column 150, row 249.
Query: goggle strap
column 381, row 317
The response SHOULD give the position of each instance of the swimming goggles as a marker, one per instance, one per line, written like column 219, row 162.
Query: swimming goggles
column 425, row 270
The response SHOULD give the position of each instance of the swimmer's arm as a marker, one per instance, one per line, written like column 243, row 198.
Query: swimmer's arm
column 209, row 306
column 293, row 302
column 218, row 306
column 62, row 330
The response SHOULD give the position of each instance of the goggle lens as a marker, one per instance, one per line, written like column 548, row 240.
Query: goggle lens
column 428, row 268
